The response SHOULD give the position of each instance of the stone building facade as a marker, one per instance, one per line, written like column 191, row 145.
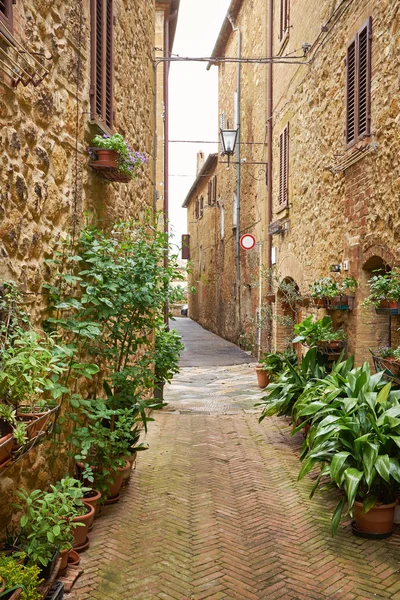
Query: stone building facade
column 332, row 194
column 47, row 122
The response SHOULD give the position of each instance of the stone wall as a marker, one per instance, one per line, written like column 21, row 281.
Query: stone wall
column 339, row 217
column 46, row 184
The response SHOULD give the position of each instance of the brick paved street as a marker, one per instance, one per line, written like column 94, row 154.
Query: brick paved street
column 213, row 511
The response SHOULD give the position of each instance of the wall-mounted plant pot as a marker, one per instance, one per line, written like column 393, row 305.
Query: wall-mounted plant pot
column 388, row 307
column 341, row 302
column 306, row 301
column 378, row 520
column 319, row 302
column 39, row 423
column 262, row 377
column 270, row 297
column 6, row 446
column 331, row 349
column 106, row 165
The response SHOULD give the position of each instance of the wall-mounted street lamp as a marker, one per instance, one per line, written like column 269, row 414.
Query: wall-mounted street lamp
column 228, row 139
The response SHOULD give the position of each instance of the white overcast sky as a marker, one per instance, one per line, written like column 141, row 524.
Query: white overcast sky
column 193, row 99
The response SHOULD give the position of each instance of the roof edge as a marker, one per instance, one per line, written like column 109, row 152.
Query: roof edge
column 209, row 162
column 225, row 31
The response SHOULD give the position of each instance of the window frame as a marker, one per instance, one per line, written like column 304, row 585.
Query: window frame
column 7, row 19
column 284, row 22
column 105, row 120
column 355, row 112
column 283, row 198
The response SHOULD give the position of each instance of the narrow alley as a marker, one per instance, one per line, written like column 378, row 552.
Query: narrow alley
column 213, row 509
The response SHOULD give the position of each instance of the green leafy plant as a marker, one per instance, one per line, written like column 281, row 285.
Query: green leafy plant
column 384, row 286
column 168, row 348
column 310, row 332
column 289, row 385
column 17, row 575
column 325, row 287
column 129, row 161
column 356, row 444
column 276, row 362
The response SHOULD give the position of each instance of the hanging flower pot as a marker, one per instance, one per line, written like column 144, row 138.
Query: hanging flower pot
column 106, row 158
column 6, row 446
column 378, row 520
column 388, row 306
column 319, row 302
column 345, row 302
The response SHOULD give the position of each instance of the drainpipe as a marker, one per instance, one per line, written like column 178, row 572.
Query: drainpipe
column 270, row 126
column 239, row 170
column 166, row 145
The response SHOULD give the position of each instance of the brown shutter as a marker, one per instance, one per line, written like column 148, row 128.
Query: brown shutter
column 196, row 209
column 201, row 206
column 6, row 13
column 209, row 192
column 215, row 190
column 102, row 61
column 283, row 18
column 284, row 167
column 351, row 92
column 358, row 85
column 364, row 79
column 186, row 247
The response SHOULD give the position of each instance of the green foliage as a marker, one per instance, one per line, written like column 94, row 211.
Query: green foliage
column 168, row 347
column 18, row 575
column 326, row 287
column 47, row 521
column 311, row 332
column 276, row 362
column 129, row 161
column 354, row 437
column 290, row 384
column 384, row 286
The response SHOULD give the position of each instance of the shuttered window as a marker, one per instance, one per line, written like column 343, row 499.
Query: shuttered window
column 214, row 194
column 284, row 19
column 6, row 13
column 101, row 90
column 358, row 85
column 284, row 168
column 186, row 246
column 209, row 192
column 201, row 211
column 197, row 209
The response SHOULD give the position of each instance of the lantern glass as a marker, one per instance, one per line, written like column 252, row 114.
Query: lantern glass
column 228, row 140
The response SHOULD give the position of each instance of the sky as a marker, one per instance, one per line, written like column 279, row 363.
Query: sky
column 193, row 100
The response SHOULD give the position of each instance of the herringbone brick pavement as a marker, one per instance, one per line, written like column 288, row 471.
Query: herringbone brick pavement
column 213, row 511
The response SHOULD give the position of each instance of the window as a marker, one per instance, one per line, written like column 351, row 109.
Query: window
column 212, row 191
column 201, row 207
column 197, row 209
column 6, row 15
column 358, row 85
column 284, row 20
column 209, row 192
column 284, row 168
column 101, row 89
column 185, row 246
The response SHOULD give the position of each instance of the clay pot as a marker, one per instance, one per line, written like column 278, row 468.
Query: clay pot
column 81, row 533
column 6, row 446
column 262, row 377
column 73, row 558
column 2, row 585
column 118, row 477
column 92, row 499
column 389, row 304
column 64, row 560
column 377, row 520
column 106, row 158
column 127, row 474
column 36, row 423
column 319, row 302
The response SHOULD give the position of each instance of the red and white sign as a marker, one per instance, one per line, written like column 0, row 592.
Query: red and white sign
column 247, row 241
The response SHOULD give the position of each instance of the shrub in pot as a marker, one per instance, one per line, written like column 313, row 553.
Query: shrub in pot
column 319, row 333
column 16, row 575
column 274, row 363
column 115, row 152
column 384, row 290
column 355, row 440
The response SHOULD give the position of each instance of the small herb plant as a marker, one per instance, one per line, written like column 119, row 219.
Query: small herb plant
column 16, row 575
column 168, row 348
column 129, row 161
column 326, row 287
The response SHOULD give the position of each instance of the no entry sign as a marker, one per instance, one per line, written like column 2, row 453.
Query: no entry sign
column 247, row 241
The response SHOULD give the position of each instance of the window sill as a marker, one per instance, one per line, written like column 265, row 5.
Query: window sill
column 101, row 126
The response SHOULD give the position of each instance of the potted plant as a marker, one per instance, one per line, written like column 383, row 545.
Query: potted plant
column 387, row 359
column 271, row 364
column 113, row 152
column 344, row 300
column 354, row 439
column 322, row 289
column 12, row 433
column 15, row 575
column 74, row 492
column 384, row 291
column 167, row 351
column 47, row 525
column 319, row 333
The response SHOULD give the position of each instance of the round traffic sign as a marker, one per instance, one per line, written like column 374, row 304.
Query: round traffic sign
column 247, row 241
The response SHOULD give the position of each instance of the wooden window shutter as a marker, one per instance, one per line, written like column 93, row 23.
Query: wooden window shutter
column 186, row 247
column 364, row 79
column 284, row 167
column 102, row 69
column 6, row 13
column 201, row 206
column 215, row 190
column 283, row 18
column 196, row 210
column 209, row 192
column 358, row 85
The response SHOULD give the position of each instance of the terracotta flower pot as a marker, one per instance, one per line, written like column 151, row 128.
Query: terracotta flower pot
column 262, row 377
column 2, row 585
column 73, row 558
column 92, row 498
column 35, row 422
column 389, row 304
column 64, row 560
column 131, row 459
column 117, row 480
column 377, row 520
column 81, row 533
column 106, row 158
column 319, row 302
column 6, row 446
